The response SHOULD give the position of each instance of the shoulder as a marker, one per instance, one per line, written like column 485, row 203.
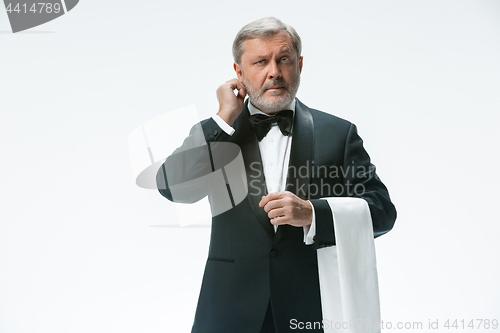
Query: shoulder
column 324, row 120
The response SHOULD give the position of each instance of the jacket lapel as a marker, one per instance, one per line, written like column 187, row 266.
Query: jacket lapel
column 301, row 157
column 245, row 137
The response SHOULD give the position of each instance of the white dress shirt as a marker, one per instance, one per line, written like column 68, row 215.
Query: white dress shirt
column 275, row 154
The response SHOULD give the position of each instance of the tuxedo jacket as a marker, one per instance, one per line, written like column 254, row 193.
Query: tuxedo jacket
column 248, row 264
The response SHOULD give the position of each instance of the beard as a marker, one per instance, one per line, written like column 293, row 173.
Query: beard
column 279, row 100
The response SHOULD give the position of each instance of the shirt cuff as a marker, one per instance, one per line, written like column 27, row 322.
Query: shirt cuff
column 222, row 124
column 310, row 230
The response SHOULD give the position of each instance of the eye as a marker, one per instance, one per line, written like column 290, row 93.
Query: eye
column 285, row 59
column 260, row 62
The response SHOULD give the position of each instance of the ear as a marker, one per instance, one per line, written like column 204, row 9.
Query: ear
column 300, row 63
column 238, row 71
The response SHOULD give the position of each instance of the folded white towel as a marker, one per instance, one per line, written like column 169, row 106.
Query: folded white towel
column 348, row 271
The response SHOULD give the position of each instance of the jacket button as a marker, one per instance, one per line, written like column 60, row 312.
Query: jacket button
column 216, row 132
column 273, row 253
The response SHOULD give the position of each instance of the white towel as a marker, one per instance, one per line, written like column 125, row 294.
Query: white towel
column 348, row 271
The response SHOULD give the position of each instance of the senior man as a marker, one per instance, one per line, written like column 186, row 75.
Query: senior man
column 262, row 267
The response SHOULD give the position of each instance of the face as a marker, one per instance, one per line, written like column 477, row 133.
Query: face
column 270, row 71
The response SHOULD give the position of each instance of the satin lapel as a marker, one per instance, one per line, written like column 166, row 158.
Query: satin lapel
column 301, row 157
column 245, row 137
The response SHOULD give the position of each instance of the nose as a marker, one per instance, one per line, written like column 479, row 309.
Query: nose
column 274, row 70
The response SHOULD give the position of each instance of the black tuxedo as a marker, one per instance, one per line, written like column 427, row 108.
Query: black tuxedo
column 248, row 264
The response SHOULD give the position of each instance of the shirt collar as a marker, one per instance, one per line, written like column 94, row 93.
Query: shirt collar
column 253, row 110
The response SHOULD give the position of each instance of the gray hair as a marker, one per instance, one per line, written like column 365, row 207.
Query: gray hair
column 261, row 28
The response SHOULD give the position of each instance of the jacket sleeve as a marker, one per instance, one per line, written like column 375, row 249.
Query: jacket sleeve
column 360, row 180
column 183, row 176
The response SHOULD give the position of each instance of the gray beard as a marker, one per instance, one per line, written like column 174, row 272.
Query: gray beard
column 260, row 102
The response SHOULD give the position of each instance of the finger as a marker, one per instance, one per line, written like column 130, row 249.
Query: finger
column 234, row 84
column 271, row 196
column 276, row 213
column 279, row 220
column 273, row 204
column 275, row 221
column 238, row 85
column 242, row 92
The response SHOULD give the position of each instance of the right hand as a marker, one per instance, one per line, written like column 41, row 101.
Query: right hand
column 230, row 105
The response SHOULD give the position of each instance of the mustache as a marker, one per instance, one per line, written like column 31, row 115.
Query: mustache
column 274, row 83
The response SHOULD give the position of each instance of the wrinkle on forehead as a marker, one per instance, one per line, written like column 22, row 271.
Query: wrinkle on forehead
column 282, row 40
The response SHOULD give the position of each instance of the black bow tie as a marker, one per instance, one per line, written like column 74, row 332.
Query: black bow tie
column 261, row 124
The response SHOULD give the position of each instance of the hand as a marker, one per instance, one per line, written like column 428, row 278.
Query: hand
column 287, row 208
column 230, row 105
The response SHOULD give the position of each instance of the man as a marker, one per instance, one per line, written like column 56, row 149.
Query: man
column 262, row 268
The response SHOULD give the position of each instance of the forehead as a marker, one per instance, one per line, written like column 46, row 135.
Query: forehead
column 256, row 47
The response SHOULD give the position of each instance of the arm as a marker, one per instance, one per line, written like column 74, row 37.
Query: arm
column 184, row 177
column 362, row 183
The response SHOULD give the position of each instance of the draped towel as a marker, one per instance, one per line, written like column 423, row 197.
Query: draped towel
column 348, row 271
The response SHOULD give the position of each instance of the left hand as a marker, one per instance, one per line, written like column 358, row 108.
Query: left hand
column 287, row 208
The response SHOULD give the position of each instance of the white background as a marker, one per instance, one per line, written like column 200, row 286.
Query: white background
column 80, row 246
